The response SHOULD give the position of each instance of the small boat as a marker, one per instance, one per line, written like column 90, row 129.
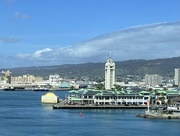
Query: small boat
column 8, row 89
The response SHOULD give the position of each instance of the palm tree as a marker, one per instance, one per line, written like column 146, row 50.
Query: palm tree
column 165, row 88
column 169, row 102
column 163, row 98
column 72, row 87
column 117, row 87
column 100, row 86
column 153, row 96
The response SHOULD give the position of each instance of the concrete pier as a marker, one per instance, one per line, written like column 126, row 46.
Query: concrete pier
column 61, row 106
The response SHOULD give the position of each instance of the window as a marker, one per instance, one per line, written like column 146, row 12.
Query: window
column 145, row 98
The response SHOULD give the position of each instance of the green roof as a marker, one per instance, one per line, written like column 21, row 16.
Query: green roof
column 75, row 99
column 172, row 91
column 143, row 92
column 65, row 85
column 161, row 91
column 73, row 91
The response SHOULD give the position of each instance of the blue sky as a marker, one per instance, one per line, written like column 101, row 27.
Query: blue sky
column 53, row 32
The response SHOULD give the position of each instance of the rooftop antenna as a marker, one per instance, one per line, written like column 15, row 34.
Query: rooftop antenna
column 110, row 53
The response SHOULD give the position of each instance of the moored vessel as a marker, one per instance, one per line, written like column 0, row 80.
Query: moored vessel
column 167, row 112
column 8, row 89
column 40, row 89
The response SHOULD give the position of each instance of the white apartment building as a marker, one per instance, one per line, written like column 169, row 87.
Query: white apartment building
column 153, row 80
column 109, row 74
column 25, row 79
column 177, row 77
column 54, row 78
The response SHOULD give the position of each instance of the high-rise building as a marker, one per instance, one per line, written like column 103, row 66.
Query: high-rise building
column 109, row 74
column 153, row 80
column 177, row 77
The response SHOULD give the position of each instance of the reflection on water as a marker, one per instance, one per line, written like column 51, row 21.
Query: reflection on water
column 47, row 107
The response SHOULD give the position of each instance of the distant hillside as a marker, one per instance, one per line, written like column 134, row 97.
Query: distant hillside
column 163, row 67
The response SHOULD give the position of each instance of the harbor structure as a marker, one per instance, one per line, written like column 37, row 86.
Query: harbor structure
column 49, row 98
column 177, row 77
column 94, row 99
column 109, row 74
column 100, row 97
column 168, row 111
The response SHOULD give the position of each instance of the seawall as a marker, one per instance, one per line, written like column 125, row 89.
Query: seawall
column 59, row 106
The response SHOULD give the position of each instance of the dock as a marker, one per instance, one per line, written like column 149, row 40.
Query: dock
column 61, row 106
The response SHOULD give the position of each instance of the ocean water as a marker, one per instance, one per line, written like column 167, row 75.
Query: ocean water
column 22, row 114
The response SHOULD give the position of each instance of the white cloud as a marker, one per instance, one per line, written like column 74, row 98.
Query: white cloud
column 141, row 42
column 39, row 55
column 19, row 15
column 8, row 40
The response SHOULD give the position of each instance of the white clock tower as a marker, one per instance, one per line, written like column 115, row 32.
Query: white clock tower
column 109, row 74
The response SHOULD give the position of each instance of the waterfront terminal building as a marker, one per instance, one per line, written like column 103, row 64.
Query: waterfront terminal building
column 126, row 97
column 100, row 97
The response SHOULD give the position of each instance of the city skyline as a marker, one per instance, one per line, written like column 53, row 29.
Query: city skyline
column 37, row 33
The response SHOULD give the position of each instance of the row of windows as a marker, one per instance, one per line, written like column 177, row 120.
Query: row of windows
column 107, row 97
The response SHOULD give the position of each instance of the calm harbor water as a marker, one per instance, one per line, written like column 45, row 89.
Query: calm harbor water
column 22, row 114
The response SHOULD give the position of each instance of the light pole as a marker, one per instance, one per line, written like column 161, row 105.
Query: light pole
column 135, row 100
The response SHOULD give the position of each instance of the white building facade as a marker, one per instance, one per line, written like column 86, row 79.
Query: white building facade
column 153, row 80
column 106, row 98
column 109, row 74
column 25, row 79
column 177, row 77
column 54, row 78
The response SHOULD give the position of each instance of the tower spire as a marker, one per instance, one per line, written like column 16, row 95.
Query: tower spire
column 110, row 53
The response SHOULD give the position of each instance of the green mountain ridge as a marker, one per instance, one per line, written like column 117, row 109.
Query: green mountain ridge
column 95, row 71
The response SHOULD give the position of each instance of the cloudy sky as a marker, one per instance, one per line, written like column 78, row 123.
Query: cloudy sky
column 55, row 32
